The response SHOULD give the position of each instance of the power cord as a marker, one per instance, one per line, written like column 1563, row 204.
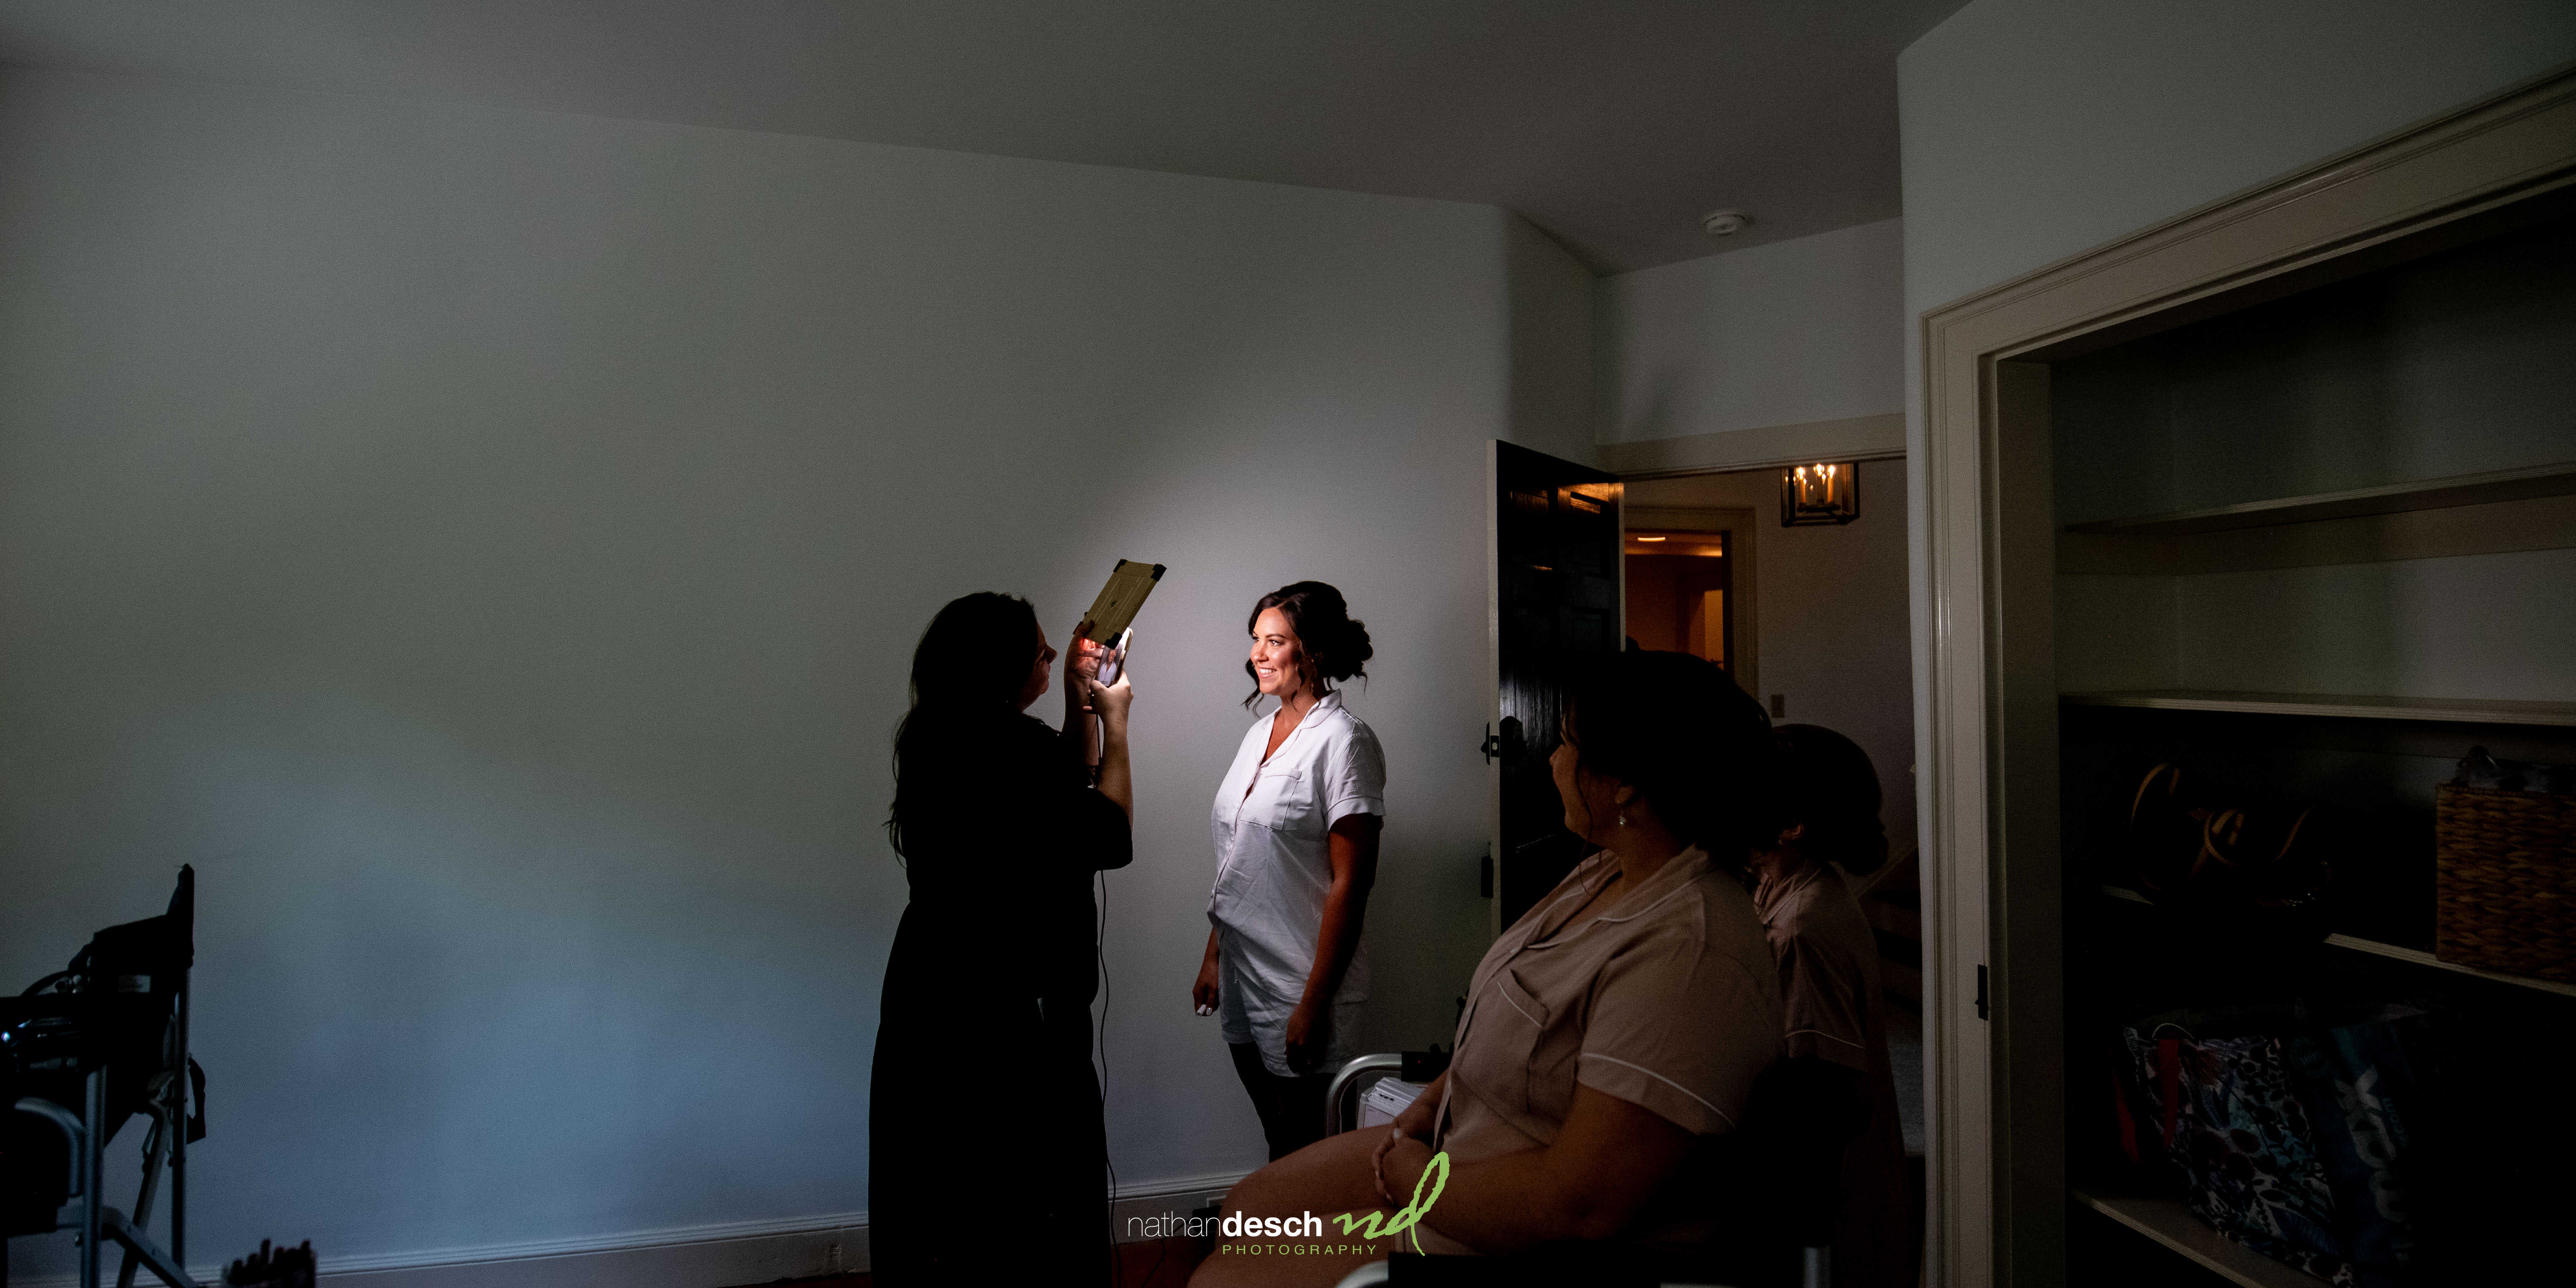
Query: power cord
column 1100, row 1051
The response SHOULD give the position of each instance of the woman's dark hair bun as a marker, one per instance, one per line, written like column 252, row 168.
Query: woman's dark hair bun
column 1832, row 788
column 1336, row 645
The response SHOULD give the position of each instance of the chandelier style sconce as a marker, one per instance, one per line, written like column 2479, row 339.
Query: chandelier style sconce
column 1823, row 493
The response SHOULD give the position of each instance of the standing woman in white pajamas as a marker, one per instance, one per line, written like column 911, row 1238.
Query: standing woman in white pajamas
column 1296, row 826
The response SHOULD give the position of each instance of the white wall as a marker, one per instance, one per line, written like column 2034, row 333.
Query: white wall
column 1783, row 334
column 489, row 544
column 1830, row 615
column 2034, row 129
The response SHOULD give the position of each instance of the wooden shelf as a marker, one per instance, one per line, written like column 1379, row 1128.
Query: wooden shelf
column 2168, row 1223
column 2393, row 498
column 2398, row 952
column 2343, row 705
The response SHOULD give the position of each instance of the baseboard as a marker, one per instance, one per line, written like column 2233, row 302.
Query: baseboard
column 698, row 1256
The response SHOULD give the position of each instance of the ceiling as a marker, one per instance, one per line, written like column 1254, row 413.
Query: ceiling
column 1613, row 124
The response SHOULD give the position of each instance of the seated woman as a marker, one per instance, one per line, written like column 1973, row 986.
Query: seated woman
column 1611, row 1036
column 1835, row 1052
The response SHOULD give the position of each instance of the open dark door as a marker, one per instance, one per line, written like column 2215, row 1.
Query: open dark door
column 1556, row 598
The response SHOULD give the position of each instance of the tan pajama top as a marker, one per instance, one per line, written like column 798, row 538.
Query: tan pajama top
column 1829, row 987
column 1664, row 995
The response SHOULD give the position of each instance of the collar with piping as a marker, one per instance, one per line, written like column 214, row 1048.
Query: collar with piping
column 1677, row 873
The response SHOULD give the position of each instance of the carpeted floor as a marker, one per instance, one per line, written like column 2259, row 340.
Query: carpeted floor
column 1163, row 1263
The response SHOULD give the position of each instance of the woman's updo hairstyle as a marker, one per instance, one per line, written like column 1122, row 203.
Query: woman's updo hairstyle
column 1833, row 789
column 967, row 673
column 1334, row 646
column 1697, row 748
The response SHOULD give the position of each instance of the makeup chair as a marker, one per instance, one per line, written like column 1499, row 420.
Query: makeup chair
column 1790, row 1188
column 83, row 1050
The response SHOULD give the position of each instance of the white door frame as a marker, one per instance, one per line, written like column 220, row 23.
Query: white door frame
column 1992, row 866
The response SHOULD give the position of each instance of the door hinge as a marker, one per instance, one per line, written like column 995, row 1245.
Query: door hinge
column 1493, row 744
column 1981, row 991
column 1485, row 875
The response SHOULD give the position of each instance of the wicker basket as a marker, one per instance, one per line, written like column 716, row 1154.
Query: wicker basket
column 2505, row 899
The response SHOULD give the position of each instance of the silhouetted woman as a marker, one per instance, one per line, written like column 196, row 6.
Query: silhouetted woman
column 1834, row 1017
column 983, row 1081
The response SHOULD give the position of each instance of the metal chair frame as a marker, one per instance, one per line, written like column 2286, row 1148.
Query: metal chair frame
column 167, row 1142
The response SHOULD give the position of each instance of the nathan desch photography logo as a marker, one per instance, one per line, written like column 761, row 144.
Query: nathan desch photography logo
column 1284, row 1236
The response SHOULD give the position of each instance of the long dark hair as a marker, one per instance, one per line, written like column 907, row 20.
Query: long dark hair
column 1831, row 787
column 967, row 674
column 1331, row 646
column 1699, row 749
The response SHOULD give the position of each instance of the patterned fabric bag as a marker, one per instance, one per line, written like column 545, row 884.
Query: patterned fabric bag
column 2362, row 1092
column 2227, row 1114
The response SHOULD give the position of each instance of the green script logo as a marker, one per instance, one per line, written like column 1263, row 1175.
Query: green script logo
column 1371, row 1226
column 1378, row 1225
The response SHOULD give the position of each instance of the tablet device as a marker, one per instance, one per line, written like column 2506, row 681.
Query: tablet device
column 1110, row 614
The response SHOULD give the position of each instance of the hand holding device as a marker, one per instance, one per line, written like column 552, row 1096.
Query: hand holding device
column 1109, row 701
column 1081, row 663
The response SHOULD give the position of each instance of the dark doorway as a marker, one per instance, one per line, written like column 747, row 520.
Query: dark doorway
column 1556, row 529
column 1681, row 594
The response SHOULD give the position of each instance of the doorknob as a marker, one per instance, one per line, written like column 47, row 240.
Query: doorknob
column 1506, row 744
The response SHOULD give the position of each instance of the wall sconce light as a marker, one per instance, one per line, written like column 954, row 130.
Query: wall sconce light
column 1822, row 493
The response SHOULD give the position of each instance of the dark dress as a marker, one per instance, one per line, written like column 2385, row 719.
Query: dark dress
column 983, row 1093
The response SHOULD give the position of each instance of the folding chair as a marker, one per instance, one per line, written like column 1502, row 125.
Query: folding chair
column 81, row 1051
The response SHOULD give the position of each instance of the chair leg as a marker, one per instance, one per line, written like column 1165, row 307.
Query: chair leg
column 140, row 1248
column 91, row 1152
column 154, row 1146
column 179, row 1120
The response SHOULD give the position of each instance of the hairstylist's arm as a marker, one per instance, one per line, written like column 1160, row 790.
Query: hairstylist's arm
column 1352, row 847
column 1586, row 1185
column 1111, row 701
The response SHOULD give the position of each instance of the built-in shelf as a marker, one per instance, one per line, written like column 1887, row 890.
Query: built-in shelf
column 2167, row 1222
column 2398, row 952
column 2347, row 705
column 2393, row 498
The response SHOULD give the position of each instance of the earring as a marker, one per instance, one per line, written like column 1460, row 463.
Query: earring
column 1623, row 818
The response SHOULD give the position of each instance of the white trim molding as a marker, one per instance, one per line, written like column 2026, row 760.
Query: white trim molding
column 1859, row 438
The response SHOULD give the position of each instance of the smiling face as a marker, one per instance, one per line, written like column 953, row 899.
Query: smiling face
column 1278, row 660
column 1039, row 672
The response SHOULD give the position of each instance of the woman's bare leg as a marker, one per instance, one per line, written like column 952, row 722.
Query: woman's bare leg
column 1331, row 1177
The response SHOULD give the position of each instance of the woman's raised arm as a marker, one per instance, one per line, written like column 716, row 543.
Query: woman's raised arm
column 1111, row 701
